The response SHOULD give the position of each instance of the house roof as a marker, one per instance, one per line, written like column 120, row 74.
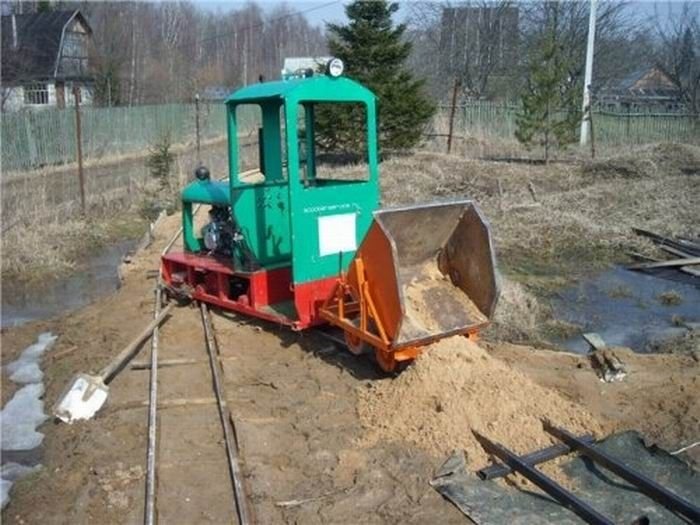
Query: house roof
column 648, row 81
column 319, row 88
column 39, row 37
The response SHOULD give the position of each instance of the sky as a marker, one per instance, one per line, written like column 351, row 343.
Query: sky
column 320, row 12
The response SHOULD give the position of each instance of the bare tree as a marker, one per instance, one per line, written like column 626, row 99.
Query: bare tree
column 678, row 54
column 571, row 32
column 158, row 52
column 466, row 41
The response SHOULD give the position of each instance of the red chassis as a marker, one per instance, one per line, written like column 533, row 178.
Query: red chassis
column 267, row 294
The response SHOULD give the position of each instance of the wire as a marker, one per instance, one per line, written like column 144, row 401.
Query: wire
column 676, row 452
column 264, row 22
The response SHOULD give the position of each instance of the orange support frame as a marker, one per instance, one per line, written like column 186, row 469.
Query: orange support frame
column 353, row 308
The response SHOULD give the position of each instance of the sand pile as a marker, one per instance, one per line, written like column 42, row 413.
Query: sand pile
column 456, row 386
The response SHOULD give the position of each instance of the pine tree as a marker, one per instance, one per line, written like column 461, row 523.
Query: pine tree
column 374, row 52
column 550, row 112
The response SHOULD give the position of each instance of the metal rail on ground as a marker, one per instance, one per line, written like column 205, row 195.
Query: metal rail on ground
column 532, row 459
column 556, row 491
column 225, row 415
column 149, row 508
column 646, row 485
column 231, row 447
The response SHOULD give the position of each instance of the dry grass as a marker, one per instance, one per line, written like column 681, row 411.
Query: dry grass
column 554, row 224
column 31, row 254
column 670, row 298
column 576, row 221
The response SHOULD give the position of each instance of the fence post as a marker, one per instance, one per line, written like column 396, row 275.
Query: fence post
column 78, row 134
column 452, row 115
column 590, row 117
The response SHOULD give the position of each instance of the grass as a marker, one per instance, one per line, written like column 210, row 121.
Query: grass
column 580, row 222
column 30, row 255
column 670, row 298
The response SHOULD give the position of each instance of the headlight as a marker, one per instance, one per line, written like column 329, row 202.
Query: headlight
column 335, row 67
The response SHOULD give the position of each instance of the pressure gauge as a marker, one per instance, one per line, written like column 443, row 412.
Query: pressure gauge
column 335, row 67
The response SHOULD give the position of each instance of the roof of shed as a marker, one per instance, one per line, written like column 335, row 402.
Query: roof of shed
column 317, row 88
column 38, row 44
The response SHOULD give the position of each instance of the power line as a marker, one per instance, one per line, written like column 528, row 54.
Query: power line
column 261, row 24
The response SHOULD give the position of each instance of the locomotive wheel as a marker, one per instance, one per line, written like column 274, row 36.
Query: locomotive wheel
column 385, row 360
column 356, row 345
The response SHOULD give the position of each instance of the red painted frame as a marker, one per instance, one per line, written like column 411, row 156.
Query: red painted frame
column 209, row 280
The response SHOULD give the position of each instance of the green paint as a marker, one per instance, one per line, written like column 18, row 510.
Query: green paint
column 280, row 218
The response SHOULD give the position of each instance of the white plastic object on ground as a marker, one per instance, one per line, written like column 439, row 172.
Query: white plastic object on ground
column 82, row 399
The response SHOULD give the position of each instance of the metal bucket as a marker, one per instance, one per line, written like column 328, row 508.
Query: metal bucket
column 431, row 271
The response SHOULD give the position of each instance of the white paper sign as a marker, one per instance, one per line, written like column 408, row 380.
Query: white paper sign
column 336, row 233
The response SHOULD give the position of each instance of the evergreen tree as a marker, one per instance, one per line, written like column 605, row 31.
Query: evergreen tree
column 550, row 112
column 374, row 52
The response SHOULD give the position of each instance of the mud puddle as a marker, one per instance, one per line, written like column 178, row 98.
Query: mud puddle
column 95, row 279
column 628, row 308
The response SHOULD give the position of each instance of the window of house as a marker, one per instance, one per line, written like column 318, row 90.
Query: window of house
column 36, row 93
column 75, row 45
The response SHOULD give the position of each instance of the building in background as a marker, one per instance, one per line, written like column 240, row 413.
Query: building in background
column 478, row 43
column 646, row 90
column 45, row 56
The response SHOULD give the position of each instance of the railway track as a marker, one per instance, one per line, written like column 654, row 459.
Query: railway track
column 193, row 472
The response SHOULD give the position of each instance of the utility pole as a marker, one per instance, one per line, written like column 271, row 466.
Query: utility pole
column 586, row 116
column 78, row 141
column 196, row 124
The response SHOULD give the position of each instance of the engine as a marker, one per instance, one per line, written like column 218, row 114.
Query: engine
column 220, row 233
column 221, row 237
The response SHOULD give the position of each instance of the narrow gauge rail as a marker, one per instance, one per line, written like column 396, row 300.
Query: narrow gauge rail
column 239, row 504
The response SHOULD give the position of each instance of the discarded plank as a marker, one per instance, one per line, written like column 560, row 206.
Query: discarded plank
column 594, row 340
column 63, row 353
column 675, row 251
column 681, row 253
column 166, row 403
column 666, row 264
column 680, row 244
column 684, row 269
column 165, row 363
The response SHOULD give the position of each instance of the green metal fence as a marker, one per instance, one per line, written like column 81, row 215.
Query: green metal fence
column 34, row 139
column 499, row 120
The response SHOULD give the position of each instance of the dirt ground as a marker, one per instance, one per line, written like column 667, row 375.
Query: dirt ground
column 294, row 397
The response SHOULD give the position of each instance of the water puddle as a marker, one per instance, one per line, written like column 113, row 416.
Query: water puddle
column 21, row 416
column 628, row 308
column 95, row 279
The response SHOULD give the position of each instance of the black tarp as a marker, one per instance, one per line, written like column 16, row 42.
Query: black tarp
column 493, row 503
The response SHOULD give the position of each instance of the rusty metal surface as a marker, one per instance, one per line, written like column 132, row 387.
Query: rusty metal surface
column 445, row 268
